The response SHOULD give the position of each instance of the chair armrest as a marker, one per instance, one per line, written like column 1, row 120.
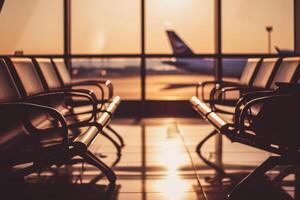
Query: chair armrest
column 241, row 116
column 87, row 92
column 85, row 139
column 70, row 93
column 98, row 83
column 27, row 108
column 250, row 96
column 206, row 83
column 74, row 86
column 219, row 92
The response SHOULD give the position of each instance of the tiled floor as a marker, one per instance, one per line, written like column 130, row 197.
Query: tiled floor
column 158, row 162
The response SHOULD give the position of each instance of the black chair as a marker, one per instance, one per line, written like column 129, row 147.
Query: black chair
column 51, row 82
column 286, row 71
column 67, row 82
column 28, row 134
column 262, row 79
column 267, row 123
column 31, row 88
column 246, row 78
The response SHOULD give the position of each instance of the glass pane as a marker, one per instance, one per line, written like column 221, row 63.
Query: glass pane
column 31, row 27
column 181, row 27
column 245, row 22
column 175, row 79
column 192, row 20
column 101, row 26
column 124, row 74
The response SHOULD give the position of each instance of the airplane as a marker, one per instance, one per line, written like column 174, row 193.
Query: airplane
column 1, row 4
column 284, row 52
column 231, row 67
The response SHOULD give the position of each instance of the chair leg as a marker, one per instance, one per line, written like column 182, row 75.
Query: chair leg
column 90, row 158
column 297, row 181
column 116, row 134
column 28, row 170
column 284, row 173
column 270, row 163
column 220, row 172
column 118, row 147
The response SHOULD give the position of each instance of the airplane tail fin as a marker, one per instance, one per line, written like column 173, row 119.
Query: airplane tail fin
column 284, row 52
column 179, row 47
column 1, row 4
column 277, row 49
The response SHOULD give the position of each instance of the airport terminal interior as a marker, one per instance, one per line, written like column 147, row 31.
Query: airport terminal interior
column 150, row 99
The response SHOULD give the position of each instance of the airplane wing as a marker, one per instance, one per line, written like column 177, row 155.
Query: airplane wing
column 174, row 63
column 178, row 86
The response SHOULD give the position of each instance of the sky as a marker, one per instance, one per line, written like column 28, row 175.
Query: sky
column 102, row 26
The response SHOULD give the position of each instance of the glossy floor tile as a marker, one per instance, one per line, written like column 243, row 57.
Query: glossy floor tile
column 158, row 162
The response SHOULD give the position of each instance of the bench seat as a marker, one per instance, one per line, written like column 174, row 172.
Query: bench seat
column 38, row 134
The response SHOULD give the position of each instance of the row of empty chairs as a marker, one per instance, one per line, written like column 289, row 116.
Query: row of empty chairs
column 40, row 124
column 264, row 116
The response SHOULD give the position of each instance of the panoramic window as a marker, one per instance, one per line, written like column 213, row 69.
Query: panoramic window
column 247, row 26
column 264, row 26
column 124, row 73
column 107, row 27
column 31, row 27
column 184, row 28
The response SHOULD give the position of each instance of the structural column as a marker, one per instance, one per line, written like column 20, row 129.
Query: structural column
column 218, row 39
column 218, row 72
column 67, row 32
column 143, row 57
column 297, row 25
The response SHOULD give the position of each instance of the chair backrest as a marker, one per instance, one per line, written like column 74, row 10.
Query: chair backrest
column 48, row 73
column 250, row 70
column 62, row 71
column 9, row 91
column 29, row 83
column 277, row 123
column 11, row 129
column 26, row 76
column 16, row 127
column 266, row 72
column 288, row 71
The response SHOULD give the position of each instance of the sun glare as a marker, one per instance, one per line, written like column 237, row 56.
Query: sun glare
column 172, row 159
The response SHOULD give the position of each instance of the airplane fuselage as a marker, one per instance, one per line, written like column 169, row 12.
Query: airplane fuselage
column 230, row 67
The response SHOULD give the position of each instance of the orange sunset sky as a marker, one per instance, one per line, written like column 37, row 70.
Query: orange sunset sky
column 113, row 26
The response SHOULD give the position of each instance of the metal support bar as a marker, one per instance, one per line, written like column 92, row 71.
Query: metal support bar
column 270, row 163
column 297, row 182
column 220, row 173
column 121, row 140
column 143, row 58
column 93, row 160
column 67, row 33
column 297, row 26
column 218, row 40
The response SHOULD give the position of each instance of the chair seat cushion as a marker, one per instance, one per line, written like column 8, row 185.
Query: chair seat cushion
column 25, row 147
column 278, row 122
